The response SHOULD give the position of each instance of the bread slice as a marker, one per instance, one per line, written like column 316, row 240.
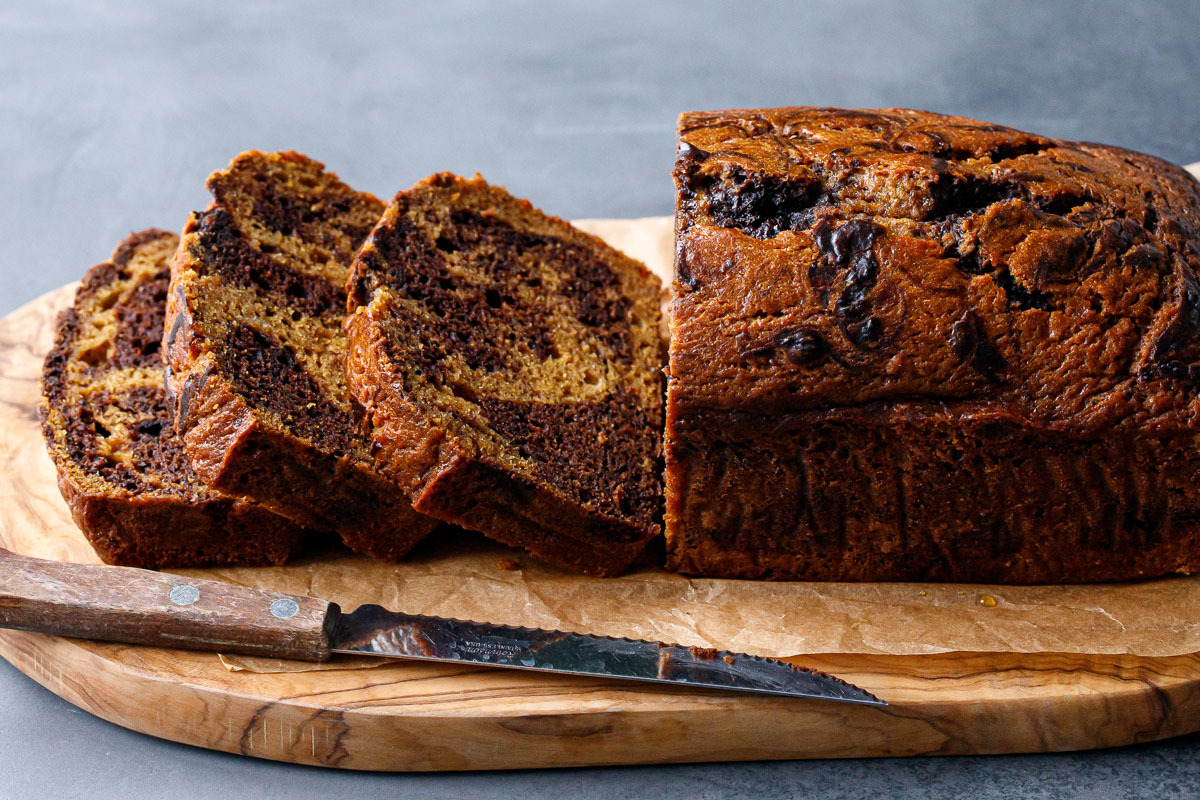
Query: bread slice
column 108, row 428
column 255, row 350
column 510, row 369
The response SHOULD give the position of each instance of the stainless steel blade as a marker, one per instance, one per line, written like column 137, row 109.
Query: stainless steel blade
column 374, row 630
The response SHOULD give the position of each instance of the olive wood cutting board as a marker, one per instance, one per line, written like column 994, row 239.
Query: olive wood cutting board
column 363, row 714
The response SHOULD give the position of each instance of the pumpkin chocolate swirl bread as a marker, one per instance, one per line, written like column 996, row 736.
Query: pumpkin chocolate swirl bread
column 907, row 346
column 108, row 428
column 510, row 370
column 255, row 351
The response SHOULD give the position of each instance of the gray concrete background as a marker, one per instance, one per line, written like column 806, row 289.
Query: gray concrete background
column 112, row 114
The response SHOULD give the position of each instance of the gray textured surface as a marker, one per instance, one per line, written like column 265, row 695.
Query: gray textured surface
column 112, row 114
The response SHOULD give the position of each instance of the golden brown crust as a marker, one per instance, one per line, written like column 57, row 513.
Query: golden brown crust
column 107, row 427
column 255, row 350
column 508, row 368
column 1024, row 310
column 174, row 533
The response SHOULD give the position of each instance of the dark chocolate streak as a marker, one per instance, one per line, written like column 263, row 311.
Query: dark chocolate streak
column 153, row 442
column 956, row 196
column 221, row 247
column 140, row 324
column 764, row 205
column 847, row 264
column 54, row 369
column 310, row 218
column 1020, row 296
column 571, row 447
column 156, row 455
column 484, row 319
column 98, row 277
column 269, row 376
column 759, row 205
column 279, row 210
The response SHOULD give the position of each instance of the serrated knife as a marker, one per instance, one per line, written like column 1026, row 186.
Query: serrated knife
column 138, row 606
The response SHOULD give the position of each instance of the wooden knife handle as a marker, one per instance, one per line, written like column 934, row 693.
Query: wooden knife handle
column 139, row 606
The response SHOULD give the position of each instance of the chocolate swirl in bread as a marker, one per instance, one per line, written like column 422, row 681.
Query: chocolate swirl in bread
column 509, row 366
column 110, row 432
column 909, row 346
column 255, row 350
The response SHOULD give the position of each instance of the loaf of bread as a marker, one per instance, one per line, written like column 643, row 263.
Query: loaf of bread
column 510, row 369
column 255, row 351
column 907, row 346
column 109, row 431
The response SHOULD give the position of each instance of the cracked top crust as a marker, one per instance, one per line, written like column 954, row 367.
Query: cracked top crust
column 830, row 258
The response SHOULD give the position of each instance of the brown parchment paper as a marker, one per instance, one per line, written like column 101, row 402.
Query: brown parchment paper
column 466, row 576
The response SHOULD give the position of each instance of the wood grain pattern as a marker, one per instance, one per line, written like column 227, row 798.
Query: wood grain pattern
column 140, row 606
column 379, row 715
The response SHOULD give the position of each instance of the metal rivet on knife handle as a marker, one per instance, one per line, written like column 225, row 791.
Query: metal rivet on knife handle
column 284, row 608
column 184, row 595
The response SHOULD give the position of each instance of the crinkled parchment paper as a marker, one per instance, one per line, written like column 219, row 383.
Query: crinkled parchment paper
column 458, row 574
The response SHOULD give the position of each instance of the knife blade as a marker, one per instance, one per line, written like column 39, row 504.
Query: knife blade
column 374, row 630
column 137, row 606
